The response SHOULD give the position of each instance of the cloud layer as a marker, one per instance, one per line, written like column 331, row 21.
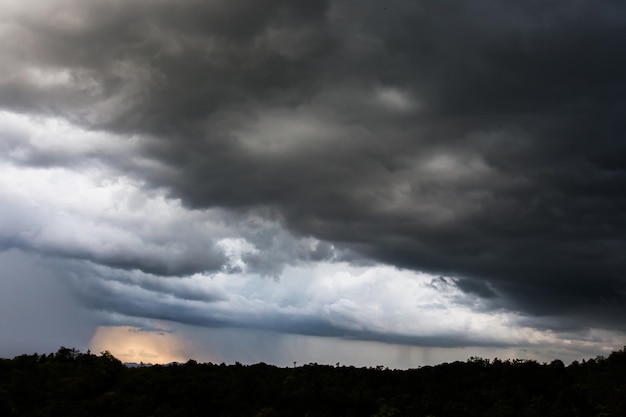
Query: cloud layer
column 150, row 143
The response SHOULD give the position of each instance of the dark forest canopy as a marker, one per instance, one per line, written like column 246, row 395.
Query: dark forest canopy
column 71, row 383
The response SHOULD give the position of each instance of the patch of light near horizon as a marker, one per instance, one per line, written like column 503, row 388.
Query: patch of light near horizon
column 131, row 345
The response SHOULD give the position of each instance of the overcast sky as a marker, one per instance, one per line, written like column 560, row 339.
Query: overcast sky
column 394, row 182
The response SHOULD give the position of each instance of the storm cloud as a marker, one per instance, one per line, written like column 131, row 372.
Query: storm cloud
column 481, row 141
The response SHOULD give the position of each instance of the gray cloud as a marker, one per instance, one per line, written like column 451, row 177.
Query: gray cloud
column 478, row 288
column 480, row 140
column 377, row 304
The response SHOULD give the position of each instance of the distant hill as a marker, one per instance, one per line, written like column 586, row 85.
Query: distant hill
column 71, row 383
column 136, row 365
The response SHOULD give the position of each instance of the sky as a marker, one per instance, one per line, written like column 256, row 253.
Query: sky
column 381, row 182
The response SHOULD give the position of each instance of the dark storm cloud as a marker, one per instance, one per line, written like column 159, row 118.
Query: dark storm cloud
column 476, row 287
column 156, row 66
column 480, row 140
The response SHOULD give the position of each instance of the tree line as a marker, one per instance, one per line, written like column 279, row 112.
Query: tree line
column 71, row 383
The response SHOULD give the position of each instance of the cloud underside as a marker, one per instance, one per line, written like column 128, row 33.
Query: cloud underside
column 146, row 145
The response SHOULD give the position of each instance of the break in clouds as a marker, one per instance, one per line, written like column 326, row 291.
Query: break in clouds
column 428, row 173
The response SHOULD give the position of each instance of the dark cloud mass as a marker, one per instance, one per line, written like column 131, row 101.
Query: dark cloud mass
column 480, row 140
